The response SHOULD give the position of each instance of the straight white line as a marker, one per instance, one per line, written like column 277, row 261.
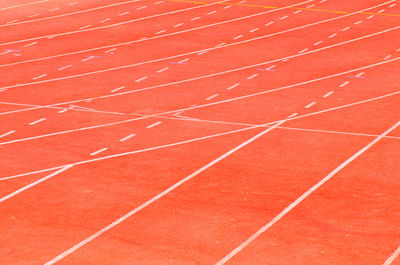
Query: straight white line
column 371, row 16
column 30, row 44
column 105, row 20
column 226, row 7
column 333, row 35
column 196, row 18
column 178, row 25
column 254, row 30
column 54, row 9
column 157, row 197
column 303, row 197
column 161, row 31
column 37, row 121
column 7, row 133
column 27, row 4
column 392, row 257
column 304, row 50
column 346, row 28
column 318, row 43
column 184, row 60
column 238, row 37
column 252, row 76
column 358, row 22
column 119, row 88
column 85, row 27
column 284, row 17
column 141, row 79
column 231, row 87
column 34, row 183
column 154, row 125
column 62, row 111
column 127, row 137
column 213, row 96
column 64, row 67
column 162, row 70
column 123, row 14
column 141, row 7
column 110, row 50
column 310, row 105
column 269, row 23
column 212, row 12
column 99, row 151
column 34, row 15
column 40, row 76
column 328, row 94
column 344, row 84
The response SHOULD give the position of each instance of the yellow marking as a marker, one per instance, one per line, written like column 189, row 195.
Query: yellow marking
column 297, row 8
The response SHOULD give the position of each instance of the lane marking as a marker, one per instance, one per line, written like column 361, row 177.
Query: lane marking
column 7, row 133
column 254, row 30
column 252, row 76
column 213, row 96
column 30, row 44
column 37, row 121
column 333, row 35
column 305, row 195
column 35, row 183
column 310, row 105
column 344, row 84
column 233, row 86
column 140, row 79
column 116, row 89
column 99, row 151
column 105, row 20
column 40, row 76
column 85, row 27
column 157, row 197
column 238, row 37
column 392, row 257
column 328, row 94
column 27, row 4
column 178, row 25
column 64, row 67
column 154, row 125
column 123, row 14
column 162, row 70
column 127, row 137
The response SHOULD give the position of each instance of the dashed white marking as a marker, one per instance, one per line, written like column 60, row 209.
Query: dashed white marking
column 252, row 76
column 293, row 115
column 304, row 50
column 178, row 25
column 37, row 121
column 117, row 89
column 212, row 12
column 213, row 96
column 298, row 11
column 231, row 87
column 327, row 94
column 85, row 27
column 381, row 11
column 220, row 44
column 30, row 44
column 226, row 7
column 371, row 16
column 141, row 7
column 238, row 37
column 269, row 23
column 309, row 6
column 392, row 257
column 284, row 17
column 317, row 43
column 141, row 79
column 87, row 58
column 360, row 74
column 387, row 57
column 127, row 137
column 358, row 22
column 333, row 35
column 310, row 105
column 184, row 60
column 195, row 18
column 73, row 3
column 62, row 111
column 161, row 31
column 322, row 1
column 64, row 67
column 40, row 76
column 162, row 70
column 105, row 20
column 110, row 50
column 392, row 5
column 243, row 1
column 99, row 151
column 34, row 15
column 159, row 2
column 7, row 133
column 54, row 9
column 271, row 67
column 154, row 125
column 344, row 84
column 123, row 14
column 12, row 21
column 346, row 28
column 254, row 30
column 203, row 52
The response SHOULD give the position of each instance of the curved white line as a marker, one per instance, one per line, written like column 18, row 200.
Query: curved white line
column 215, row 103
column 112, row 25
column 27, row 4
column 202, row 27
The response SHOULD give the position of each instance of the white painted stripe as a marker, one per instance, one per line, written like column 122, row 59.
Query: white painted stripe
column 317, row 43
column 344, row 84
column 184, row 60
column 304, row 50
column 178, row 25
column 201, row 53
column 387, row 57
column 269, row 23
column 30, row 44
column 110, row 50
column 310, row 105
column 85, row 27
column 303, row 197
column 284, row 17
column 99, row 151
column 161, row 31
column 226, row 7
column 328, row 94
column 7, row 133
column 231, row 87
column 238, row 37
column 34, row 15
column 116, row 89
column 371, row 16
column 40, row 76
column 34, row 184
column 162, row 70
column 298, row 11
column 141, row 79
column 195, row 18
column 54, row 9
column 157, row 197
column 62, row 111
column 153, row 125
column 141, row 7
column 360, row 74
column 254, row 30
column 392, row 257
column 213, row 96
column 252, row 76
column 346, row 28
column 105, row 20
column 88, row 58
column 64, row 67
column 123, row 14
column 333, row 35
column 212, row 12
column 159, row 2
column 37, row 121
column 358, row 22
column 127, row 137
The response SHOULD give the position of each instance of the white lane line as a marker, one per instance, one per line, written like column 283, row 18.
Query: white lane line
column 73, row 3
column 328, row 94
column 344, row 84
column 309, row 6
column 293, row 115
column 88, row 58
column 34, row 183
column 310, row 105
column 162, row 70
column 123, row 14
column 346, row 28
column 265, row 36
column 213, row 96
column 140, row 79
column 127, row 137
column 381, row 11
column 298, row 11
column 34, row 15
column 195, row 18
column 371, row 16
column 252, row 76
column 85, row 27
column 318, row 43
column 99, row 151
column 40, row 76
column 62, row 111
column 392, row 5
column 159, row 2
column 154, row 124
column 212, row 12
column 231, row 87
column 117, row 89
column 269, row 23
column 333, row 35
column 271, row 67
column 178, row 25
column 7, row 133
column 37, row 121
column 303, row 197
column 105, row 20
column 30, row 44
column 358, row 22
column 64, row 67
column 12, row 21
column 284, row 17
column 360, row 74
column 238, row 37
column 141, row 7
column 254, row 30
column 184, row 60
column 392, row 257
column 54, row 9
column 201, row 53
column 110, row 50
column 226, row 7
column 157, row 197
column 387, row 57
column 303, row 51
column 161, row 31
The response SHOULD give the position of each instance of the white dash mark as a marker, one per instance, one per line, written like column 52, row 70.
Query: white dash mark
column 269, row 23
column 203, row 52
column 105, row 20
column 85, row 27
column 64, row 67
column 304, row 50
column 98, row 151
column 111, row 50
column 226, row 7
column 327, row 94
column 310, row 6
column 392, row 5
column 161, row 31
column 271, row 67
column 293, row 115
column 141, row 79
column 87, row 59
column 221, row 44
column 212, row 12
column 231, row 87
column 123, row 14
column 344, row 84
column 213, row 96
column 346, row 28
column 54, row 9
column 284, row 17
column 159, row 2
column 298, row 11
column 387, row 57
column 34, row 15
column 74, row 3
column 62, row 111
column 141, row 7
column 184, row 60
column 127, row 137
column 154, row 125
column 30, row 44
column 371, row 16
column 178, row 25
column 238, row 37
column 162, row 70
column 360, row 74
column 358, row 22
column 252, row 76
column 118, row 88
column 333, row 35
column 196, row 18
column 7, row 133
column 40, row 76
column 317, row 43
column 37, row 121
column 254, row 30
column 310, row 105
column 381, row 11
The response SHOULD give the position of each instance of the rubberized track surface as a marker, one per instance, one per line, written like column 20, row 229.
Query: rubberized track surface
column 179, row 132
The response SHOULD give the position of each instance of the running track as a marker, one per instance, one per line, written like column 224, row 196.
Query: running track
column 184, row 132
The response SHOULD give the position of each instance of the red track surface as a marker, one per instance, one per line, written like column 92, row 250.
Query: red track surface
column 166, row 132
